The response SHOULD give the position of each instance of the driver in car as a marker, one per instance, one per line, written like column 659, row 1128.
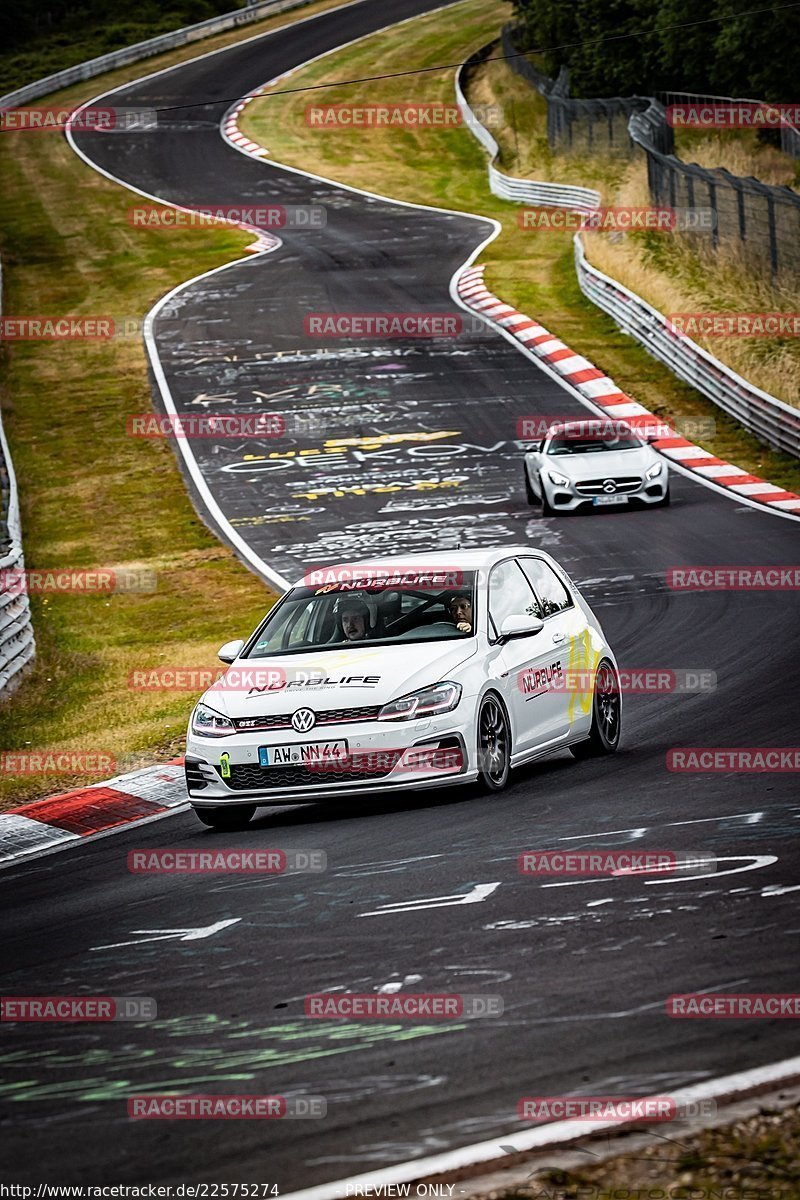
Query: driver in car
column 354, row 619
column 459, row 606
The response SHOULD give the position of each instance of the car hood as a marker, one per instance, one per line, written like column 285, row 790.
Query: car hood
column 601, row 466
column 343, row 678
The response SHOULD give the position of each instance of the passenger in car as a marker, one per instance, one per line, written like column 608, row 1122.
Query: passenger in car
column 459, row 606
column 353, row 619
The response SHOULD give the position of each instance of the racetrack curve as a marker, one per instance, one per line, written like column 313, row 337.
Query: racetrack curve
column 583, row 969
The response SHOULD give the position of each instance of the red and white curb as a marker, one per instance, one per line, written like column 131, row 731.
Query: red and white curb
column 231, row 132
column 70, row 816
column 230, row 122
column 231, row 129
column 605, row 396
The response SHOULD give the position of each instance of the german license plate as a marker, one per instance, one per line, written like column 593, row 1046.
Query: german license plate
column 610, row 500
column 302, row 756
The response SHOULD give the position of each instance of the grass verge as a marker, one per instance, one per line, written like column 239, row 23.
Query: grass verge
column 530, row 269
column 91, row 497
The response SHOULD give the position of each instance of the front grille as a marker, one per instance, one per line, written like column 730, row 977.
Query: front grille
column 245, row 778
column 622, row 483
column 331, row 716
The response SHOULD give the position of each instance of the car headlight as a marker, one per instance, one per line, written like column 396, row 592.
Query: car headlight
column 208, row 723
column 655, row 470
column 427, row 702
column 558, row 480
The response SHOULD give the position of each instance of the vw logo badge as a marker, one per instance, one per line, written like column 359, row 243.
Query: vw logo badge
column 609, row 485
column 303, row 720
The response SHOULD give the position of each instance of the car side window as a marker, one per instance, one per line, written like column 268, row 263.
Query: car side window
column 510, row 594
column 553, row 596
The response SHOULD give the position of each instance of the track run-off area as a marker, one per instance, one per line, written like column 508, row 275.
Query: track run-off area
column 393, row 446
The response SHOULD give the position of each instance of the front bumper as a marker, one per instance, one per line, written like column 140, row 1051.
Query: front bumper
column 383, row 757
column 568, row 499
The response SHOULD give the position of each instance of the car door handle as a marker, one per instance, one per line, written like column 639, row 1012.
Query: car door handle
column 559, row 637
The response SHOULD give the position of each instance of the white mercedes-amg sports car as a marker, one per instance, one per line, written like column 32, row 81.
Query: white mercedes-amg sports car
column 593, row 464
column 420, row 672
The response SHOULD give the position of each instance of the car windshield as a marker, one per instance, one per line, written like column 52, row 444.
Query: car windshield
column 352, row 613
column 566, row 444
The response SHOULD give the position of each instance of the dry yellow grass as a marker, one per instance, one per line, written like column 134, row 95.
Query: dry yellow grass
column 740, row 152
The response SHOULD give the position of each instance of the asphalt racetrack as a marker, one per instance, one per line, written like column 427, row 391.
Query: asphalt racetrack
column 583, row 967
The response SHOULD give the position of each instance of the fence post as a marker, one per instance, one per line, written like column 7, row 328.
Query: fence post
column 773, row 237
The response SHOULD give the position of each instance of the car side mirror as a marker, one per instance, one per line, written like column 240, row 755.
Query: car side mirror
column 230, row 651
column 520, row 625
column 533, row 448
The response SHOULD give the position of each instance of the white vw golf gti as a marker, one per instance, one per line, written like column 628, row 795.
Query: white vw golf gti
column 593, row 464
column 419, row 672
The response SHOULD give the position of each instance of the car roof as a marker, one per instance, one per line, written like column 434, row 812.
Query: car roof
column 465, row 560
column 588, row 425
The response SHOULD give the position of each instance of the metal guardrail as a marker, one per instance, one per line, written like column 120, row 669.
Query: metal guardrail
column 140, row 50
column 17, row 646
column 543, row 195
column 507, row 187
column 768, row 418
